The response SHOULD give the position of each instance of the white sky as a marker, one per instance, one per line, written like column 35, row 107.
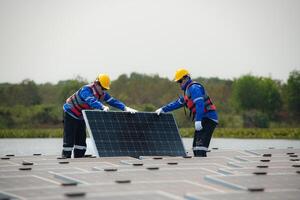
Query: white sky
column 52, row 40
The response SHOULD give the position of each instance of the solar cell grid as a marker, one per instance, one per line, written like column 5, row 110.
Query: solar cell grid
column 140, row 134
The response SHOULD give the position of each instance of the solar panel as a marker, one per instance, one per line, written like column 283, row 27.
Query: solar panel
column 140, row 134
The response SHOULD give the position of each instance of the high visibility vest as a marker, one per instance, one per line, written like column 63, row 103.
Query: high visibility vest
column 78, row 104
column 189, row 103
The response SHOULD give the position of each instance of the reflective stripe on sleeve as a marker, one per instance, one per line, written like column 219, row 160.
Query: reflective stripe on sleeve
column 109, row 99
column 198, row 98
column 89, row 98
column 180, row 101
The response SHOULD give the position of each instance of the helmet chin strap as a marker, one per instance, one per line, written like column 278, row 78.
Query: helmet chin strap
column 98, row 87
column 187, row 81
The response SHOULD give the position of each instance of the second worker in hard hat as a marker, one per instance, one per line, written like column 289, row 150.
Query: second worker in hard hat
column 201, row 107
column 88, row 97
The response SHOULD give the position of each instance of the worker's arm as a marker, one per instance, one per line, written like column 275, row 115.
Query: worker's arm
column 174, row 105
column 197, row 95
column 87, row 95
column 113, row 102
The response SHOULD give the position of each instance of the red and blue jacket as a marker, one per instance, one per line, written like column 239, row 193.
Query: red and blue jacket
column 88, row 98
column 197, row 100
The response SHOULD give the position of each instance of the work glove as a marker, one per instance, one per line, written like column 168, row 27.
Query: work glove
column 198, row 126
column 158, row 111
column 105, row 108
column 131, row 110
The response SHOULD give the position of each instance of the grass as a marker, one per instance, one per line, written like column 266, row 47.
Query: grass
column 270, row 133
column 262, row 133
column 31, row 133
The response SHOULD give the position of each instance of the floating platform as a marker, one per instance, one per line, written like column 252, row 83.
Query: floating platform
column 224, row 174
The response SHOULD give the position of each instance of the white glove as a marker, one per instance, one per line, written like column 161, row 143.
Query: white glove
column 105, row 108
column 131, row 110
column 158, row 111
column 198, row 125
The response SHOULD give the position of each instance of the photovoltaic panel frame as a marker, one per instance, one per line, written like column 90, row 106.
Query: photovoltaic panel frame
column 141, row 134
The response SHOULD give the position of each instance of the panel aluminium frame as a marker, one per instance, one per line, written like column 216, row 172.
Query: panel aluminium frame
column 94, row 147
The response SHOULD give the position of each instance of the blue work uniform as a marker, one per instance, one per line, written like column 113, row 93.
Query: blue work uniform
column 195, row 94
column 86, row 98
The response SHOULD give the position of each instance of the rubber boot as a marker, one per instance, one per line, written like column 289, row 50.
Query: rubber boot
column 79, row 153
column 200, row 153
column 66, row 154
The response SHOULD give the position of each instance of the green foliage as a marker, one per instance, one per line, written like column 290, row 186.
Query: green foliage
column 255, row 118
column 6, row 120
column 145, row 107
column 292, row 93
column 30, row 116
column 245, row 92
column 230, row 120
column 248, row 101
column 49, row 93
column 69, row 87
column 256, row 93
column 274, row 133
column 26, row 93
column 139, row 89
column 272, row 102
column 46, row 114
column 31, row 133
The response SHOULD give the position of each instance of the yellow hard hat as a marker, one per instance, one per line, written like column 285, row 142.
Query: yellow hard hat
column 104, row 81
column 180, row 73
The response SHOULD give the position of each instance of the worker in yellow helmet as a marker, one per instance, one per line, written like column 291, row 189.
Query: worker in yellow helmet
column 201, row 108
column 88, row 97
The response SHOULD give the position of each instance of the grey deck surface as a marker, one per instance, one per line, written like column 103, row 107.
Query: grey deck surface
column 224, row 174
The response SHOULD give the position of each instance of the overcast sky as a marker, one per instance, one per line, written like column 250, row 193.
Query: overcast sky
column 52, row 40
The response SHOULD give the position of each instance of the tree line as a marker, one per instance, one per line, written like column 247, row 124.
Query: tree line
column 248, row 101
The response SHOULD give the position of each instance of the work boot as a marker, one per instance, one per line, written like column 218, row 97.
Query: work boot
column 66, row 154
column 200, row 153
column 79, row 153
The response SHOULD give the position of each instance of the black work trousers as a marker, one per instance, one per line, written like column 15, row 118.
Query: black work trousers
column 74, row 137
column 202, row 138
